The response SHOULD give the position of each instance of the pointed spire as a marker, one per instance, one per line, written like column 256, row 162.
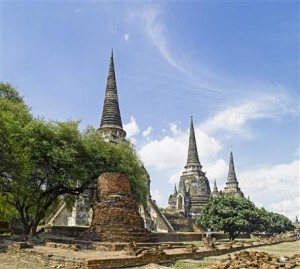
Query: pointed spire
column 192, row 151
column 111, row 113
column 215, row 189
column 231, row 173
column 175, row 190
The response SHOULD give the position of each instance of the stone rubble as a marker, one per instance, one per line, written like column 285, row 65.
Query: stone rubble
column 257, row 259
column 16, row 247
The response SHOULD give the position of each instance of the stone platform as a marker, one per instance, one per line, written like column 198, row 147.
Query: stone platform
column 126, row 254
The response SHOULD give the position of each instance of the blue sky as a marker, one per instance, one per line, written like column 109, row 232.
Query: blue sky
column 233, row 65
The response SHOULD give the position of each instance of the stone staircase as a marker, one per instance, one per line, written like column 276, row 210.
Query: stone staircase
column 161, row 222
column 179, row 222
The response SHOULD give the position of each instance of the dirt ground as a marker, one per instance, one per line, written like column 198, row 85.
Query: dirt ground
column 10, row 261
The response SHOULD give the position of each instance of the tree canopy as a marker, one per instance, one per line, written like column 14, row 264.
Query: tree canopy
column 273, row 223
column 42, row 160
column 239, row 215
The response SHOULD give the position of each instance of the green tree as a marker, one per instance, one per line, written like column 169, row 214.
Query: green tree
column 229, row 214
column 7, row 212
column 274, row 223
column 14, row 116
column 41, row 161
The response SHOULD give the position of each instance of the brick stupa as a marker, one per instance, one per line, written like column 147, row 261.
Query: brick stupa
column 116, row 217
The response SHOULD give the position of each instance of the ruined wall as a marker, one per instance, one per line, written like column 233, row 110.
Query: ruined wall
column 116, row 217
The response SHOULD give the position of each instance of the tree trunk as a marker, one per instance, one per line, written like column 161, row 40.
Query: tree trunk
column 33, row 229
column 232, row 236
column 35, row 223
column 25, row 224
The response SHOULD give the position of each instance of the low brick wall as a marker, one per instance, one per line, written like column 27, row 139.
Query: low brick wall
column 179, row 237
column 153, row 255
column 71, row 231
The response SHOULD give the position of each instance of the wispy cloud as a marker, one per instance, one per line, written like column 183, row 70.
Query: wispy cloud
column 156, row 32
column 234, row 118
column 147, row 132
column 150, row 21
column 272, row 185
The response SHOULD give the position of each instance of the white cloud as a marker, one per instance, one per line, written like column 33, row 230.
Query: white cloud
column 165, row 153
column 171, row 150
column 217, row 170
column 174, row 179
column 234, row 118
column 290, row 208
column 146, row 133
column 174, row 129
column 208, row 146
column 131, row 128
column 126, row 37
column 273, row 186
column 156, row 195
column 280, row 180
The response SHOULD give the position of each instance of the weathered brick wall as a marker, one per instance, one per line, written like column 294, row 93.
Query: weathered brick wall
column 179, row 237
column 116, row 217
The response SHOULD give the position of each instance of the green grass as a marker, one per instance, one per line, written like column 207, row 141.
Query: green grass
column 191, row 264
column 283, row 249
